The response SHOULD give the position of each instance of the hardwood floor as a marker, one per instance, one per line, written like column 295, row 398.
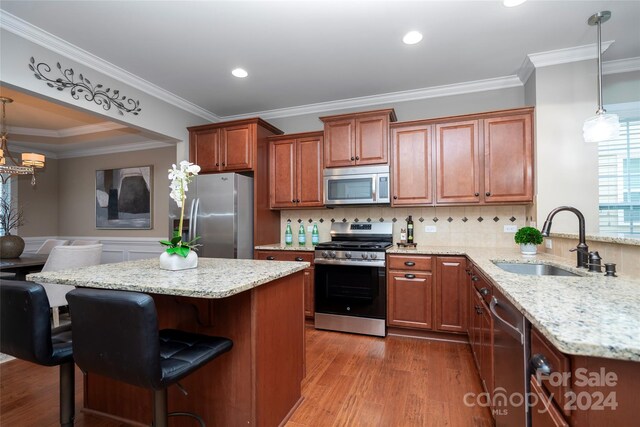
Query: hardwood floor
column 352, row 380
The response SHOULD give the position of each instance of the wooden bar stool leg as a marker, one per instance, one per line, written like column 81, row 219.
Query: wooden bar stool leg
column 160, row 409
column 67, row 396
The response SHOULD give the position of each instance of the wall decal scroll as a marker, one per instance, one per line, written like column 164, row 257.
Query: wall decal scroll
column 96, row 93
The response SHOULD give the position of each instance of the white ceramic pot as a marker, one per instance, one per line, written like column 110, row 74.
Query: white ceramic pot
column 175, row 262
column 528, row 248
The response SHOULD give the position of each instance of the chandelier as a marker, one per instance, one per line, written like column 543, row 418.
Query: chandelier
column 30, row 161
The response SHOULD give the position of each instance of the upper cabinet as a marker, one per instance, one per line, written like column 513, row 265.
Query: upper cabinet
column 228, row 147
column 295, row 170
column 411, row 165
column 357, row 139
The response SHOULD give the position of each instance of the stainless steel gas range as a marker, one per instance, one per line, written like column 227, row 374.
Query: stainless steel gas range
column 350, row 278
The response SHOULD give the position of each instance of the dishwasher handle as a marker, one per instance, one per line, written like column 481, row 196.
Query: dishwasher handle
column 508, row 327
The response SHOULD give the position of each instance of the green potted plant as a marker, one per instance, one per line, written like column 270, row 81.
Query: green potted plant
column 179, row 254
column 11, row 216
column 528, row 238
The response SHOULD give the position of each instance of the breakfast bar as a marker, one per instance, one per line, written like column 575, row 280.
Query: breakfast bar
column 256, row 304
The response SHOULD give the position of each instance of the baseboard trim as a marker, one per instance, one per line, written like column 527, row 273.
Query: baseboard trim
column 428, row 335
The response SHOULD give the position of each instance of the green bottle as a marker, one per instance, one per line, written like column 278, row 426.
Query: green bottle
column 302, row 238
column 288, row 235
column 315, row 237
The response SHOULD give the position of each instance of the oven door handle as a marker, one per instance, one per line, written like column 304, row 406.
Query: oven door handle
column 507, row 327
column 322, row 261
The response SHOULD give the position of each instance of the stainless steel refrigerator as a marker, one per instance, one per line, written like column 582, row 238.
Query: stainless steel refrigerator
column 219, row 209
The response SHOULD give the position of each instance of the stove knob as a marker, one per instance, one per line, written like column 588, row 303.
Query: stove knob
column 364, row 255
column 332, row 254
column 347, row 255
column 325, row 254
column 373, row 255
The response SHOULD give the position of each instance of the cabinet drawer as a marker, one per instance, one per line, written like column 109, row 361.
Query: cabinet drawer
column 285, row 256
column 558, row 362
column 543, row 412
column 409, row 262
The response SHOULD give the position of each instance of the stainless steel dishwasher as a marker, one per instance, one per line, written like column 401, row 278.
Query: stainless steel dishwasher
column 511, row 353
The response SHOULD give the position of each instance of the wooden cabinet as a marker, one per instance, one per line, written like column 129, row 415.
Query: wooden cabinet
column 309, row 273
column 508, row 159
column 457, row 162
column 410, row 300
column 295, row 170
column 543, row 412
column 357, row 139
column 411, row 171
column 451, row 294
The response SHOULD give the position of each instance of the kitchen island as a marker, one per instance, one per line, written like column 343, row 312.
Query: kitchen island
column 256, row 304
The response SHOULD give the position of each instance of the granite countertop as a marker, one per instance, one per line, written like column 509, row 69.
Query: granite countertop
column 590, row 315
column 279, row 247
column 214, row 277
column 618, row 238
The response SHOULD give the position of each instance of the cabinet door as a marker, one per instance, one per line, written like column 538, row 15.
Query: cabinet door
column 543, row 412
column 309, row 172
column 478, row 309
column 204, row 150
column 409, row 300
column 282, row 193
column 339, row 144
column 237, row 147
column 309, row 290
column 451, row 294
column 457, row 163
column 372, row 140
column 411, row 165
column 508, row 159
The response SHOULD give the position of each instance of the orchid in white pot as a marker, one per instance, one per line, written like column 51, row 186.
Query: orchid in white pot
column 179, row 254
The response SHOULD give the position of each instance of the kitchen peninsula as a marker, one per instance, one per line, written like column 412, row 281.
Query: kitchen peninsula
column 256, row 304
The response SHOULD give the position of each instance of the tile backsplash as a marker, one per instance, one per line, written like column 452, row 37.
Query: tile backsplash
column 480, row 226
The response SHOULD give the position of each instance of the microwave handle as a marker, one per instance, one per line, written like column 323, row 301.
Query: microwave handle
column 373, row 188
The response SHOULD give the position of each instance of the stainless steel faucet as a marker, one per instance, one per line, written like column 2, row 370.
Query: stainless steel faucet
column 582, row 250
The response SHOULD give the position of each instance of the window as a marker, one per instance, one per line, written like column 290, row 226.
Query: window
column 619, row 180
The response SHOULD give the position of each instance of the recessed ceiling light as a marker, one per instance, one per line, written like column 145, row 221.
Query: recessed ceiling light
column 512, row 3
column 412, row 37
column 240, row 73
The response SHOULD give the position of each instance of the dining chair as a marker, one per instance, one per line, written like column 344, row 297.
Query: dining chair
column 49, row 244
column 84, row 242
column 64, row 258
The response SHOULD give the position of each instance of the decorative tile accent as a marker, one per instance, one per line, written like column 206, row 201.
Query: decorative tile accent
column 368, row 219
column 480, row 219
column 299, row 221
column 344, row 219
column 421, row 219
column 496, row 219
column 435, row 219
column 321, row 220
column 512, row 219
column 356, row 220
column 394, row 220
column 449, row 219
column 381, row 219
column 465, row 219
column 310, row 220
column 333, row 220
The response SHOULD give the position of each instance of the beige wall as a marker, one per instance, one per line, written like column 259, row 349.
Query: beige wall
column 76, row 190
column 40, row 202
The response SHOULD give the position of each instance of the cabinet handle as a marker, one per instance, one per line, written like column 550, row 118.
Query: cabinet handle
column 395, row 197
column 217, row 164
column 475, row 278
column 468, row 272
column 477, row 194
column 484, row 292
column 223, row 164
column 353, row 158
column 357, row 157
column 539, row 363
column 299, row 258
column 293, row 200
column 488, row 193
column 297, row 200
column 410, row 276
column 409, row 263
column 271, row 258
column 478, row 309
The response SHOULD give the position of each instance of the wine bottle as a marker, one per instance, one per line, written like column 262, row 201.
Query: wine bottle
column 302, row 238
column 288, row 235
column 409, row 230
column 315, row 237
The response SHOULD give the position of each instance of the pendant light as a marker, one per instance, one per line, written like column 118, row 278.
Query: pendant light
column 602, row 126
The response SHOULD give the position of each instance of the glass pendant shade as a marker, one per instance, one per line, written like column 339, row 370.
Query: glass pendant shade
column 33, row 160
column 601, row 127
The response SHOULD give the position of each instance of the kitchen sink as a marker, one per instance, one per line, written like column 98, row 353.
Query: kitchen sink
column 534, row 269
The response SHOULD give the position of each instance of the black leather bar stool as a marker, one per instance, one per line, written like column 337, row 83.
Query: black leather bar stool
column 116, row 334
column 25, row 333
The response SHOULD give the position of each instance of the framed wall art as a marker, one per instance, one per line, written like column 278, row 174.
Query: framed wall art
column 123, row 198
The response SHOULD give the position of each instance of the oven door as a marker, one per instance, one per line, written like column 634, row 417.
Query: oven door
column 351, row 290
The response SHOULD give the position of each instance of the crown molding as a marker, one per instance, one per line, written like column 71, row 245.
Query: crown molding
column 564, row 56
column 22, row 147
column 122, row 148
column 386, row 98
column 621, row 66
column 47, row 40
column 68, row 132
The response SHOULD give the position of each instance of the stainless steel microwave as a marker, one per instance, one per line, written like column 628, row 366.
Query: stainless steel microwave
column 360, row 185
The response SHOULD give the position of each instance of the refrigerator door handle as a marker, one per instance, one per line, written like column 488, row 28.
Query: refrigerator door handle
column 194, row 214
column 190, row 231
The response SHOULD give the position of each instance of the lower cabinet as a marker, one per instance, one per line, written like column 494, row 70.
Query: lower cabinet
column 481, row 326
column 410, row 299
column 451, row 294
column 309, row 273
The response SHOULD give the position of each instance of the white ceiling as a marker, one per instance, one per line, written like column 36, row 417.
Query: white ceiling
column 305, row 52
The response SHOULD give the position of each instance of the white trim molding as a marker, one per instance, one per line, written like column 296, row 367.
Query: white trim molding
column 621, row 66
column 49, row 41
column 68, row 132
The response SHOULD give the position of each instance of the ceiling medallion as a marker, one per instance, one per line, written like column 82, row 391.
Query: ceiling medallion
column 103, row 97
